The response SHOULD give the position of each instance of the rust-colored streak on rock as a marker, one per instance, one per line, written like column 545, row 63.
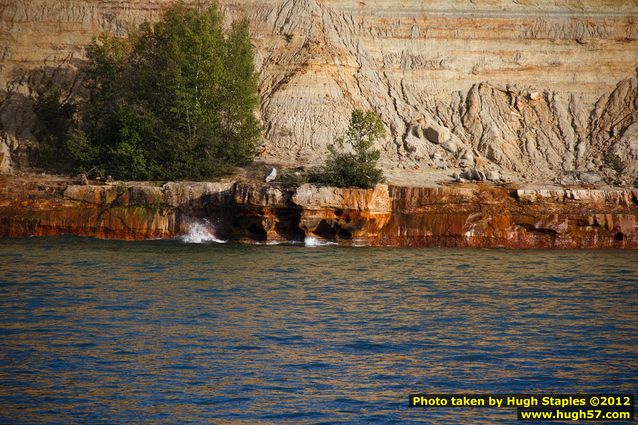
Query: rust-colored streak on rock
column 263, row 213
column 495, row 217
column 125, row 223
column 462, row 216
column 352, row 216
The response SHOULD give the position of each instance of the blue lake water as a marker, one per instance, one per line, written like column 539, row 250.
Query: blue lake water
column 165, row 332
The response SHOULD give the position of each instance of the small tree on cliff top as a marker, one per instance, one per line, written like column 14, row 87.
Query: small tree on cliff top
column 174, row 100
column 357, row 168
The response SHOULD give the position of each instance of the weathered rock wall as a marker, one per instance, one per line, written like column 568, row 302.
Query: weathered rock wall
column 454, row 216
column 523, row 218
column 530, row 87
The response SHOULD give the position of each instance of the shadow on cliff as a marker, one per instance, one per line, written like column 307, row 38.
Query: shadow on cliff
column 20, row 129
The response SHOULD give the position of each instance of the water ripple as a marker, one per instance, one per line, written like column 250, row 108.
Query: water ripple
column 165, row 332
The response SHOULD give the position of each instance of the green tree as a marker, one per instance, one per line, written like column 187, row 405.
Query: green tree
column 106, row 96
column 359, row 167
column 240, row 98
column 174, row 100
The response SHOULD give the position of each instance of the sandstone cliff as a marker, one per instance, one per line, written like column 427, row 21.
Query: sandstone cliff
column 541, row 90
column 456, row 216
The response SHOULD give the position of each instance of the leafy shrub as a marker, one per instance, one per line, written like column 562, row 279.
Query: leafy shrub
column 359, row 167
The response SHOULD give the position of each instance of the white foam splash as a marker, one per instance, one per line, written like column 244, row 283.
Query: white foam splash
column 312, row 241
column 200, row 232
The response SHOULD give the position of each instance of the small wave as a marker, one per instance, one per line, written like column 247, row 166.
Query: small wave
column 312, row 241
column 200, row 232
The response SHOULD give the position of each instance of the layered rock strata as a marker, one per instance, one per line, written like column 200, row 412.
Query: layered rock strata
column 473, row 215
column 542, row 90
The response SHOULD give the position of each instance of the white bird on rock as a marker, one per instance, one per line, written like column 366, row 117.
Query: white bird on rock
column 272, row 176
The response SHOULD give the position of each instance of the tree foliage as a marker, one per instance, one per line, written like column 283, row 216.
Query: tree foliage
column 174, row 100
column 359, row 167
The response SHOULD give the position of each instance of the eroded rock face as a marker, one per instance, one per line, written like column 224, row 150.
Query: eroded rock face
column 353, row 216
column 498, row 217
column 541, row 90
column 472, row 216
column 264, row 213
